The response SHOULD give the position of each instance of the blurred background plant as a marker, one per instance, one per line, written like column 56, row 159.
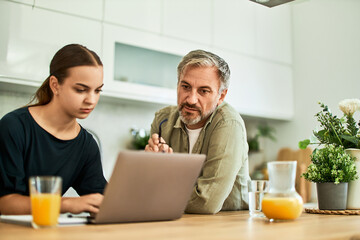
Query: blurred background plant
column 140, row 138
column 262, row 131
column 257, row 160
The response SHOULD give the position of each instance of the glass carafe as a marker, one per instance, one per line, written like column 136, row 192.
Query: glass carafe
column 282, row 202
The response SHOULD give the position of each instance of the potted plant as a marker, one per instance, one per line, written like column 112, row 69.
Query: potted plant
column 340, row 132
column 257, row 162
column 331, row 169
column 263, row 131
column 140, row 138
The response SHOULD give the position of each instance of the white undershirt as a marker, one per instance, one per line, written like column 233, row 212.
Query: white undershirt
column 193, row 136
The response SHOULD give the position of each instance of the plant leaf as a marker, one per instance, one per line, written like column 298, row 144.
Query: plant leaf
column 352, row 139
column 303, row 144
column 321, row 134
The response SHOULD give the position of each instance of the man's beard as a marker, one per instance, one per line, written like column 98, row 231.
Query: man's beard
column 186, row 117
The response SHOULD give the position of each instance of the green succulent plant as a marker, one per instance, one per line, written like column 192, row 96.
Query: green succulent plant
column 331, row 164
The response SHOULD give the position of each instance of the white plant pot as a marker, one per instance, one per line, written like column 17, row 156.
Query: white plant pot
column 353, row 200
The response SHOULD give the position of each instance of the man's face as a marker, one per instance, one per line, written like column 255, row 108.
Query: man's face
column 198, row 95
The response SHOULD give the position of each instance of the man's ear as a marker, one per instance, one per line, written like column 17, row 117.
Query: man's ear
column 222, row 96
column 54, row 85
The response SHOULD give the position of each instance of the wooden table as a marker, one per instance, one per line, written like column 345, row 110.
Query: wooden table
column 224, row 225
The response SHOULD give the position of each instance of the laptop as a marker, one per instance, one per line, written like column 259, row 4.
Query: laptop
column 147, row 186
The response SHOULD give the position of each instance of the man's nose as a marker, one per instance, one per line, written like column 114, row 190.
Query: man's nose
column 192, row 97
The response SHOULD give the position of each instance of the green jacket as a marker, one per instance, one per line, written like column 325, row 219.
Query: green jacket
column 222, row 184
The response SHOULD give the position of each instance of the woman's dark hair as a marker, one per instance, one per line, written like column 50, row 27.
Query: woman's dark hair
column 71, row 55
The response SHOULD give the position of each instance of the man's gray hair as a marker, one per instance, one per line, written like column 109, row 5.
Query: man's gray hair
column 201, row 58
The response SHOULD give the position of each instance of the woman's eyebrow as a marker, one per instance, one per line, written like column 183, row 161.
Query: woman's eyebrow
column 82, row 85
column 86, row 86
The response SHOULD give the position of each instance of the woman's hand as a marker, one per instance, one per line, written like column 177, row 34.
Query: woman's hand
column 86, row 203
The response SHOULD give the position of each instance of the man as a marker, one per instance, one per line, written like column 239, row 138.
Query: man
column 203, row 123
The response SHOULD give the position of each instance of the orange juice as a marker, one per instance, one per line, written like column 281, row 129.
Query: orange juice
column 45, row 208
column 282, row 208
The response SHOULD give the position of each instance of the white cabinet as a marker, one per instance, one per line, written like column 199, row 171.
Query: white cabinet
column 252, row 29
column 234, row 26
column 139, row 14
column 256, row 42
column 145, row 66
column 273, row 33
column 188, row 20
column 31, row 36
column 134, row 90
column 85, row 8
column 253, row 39
column 260, row 88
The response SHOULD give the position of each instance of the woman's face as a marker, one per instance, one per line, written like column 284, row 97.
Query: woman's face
column 79, row 93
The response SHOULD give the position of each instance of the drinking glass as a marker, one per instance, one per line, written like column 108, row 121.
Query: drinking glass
column 256, row 189
column 45, row 196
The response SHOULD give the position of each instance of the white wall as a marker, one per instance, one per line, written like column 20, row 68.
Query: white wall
column 326, row 64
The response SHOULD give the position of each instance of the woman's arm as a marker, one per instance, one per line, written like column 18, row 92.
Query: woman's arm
column 86, row 203
column 16, row 204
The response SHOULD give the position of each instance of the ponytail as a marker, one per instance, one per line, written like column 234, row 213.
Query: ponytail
column 43, row 95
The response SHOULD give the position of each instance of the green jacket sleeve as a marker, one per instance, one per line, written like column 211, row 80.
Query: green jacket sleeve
column 226, row 151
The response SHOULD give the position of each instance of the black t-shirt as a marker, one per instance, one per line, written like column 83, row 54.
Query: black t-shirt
column 26, row 150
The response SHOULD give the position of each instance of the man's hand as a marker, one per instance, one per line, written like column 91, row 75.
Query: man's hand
column 86, row 203
column 157, row 145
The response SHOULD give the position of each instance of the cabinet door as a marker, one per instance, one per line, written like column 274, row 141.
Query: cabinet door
column 252, row 29
column 143, row 90
column 234, row 26
column 30, row 37
column 86, row 8
column 273, row 33
column 140, row 14
column 188, row 20
column 260, row 88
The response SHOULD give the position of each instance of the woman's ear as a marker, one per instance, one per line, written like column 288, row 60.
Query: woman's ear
column 54, row 85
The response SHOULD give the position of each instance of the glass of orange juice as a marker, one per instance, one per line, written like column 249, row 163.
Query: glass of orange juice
column 282, row 202
column 45, row 196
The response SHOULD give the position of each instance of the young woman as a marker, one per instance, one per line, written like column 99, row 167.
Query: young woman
column 45, row 138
